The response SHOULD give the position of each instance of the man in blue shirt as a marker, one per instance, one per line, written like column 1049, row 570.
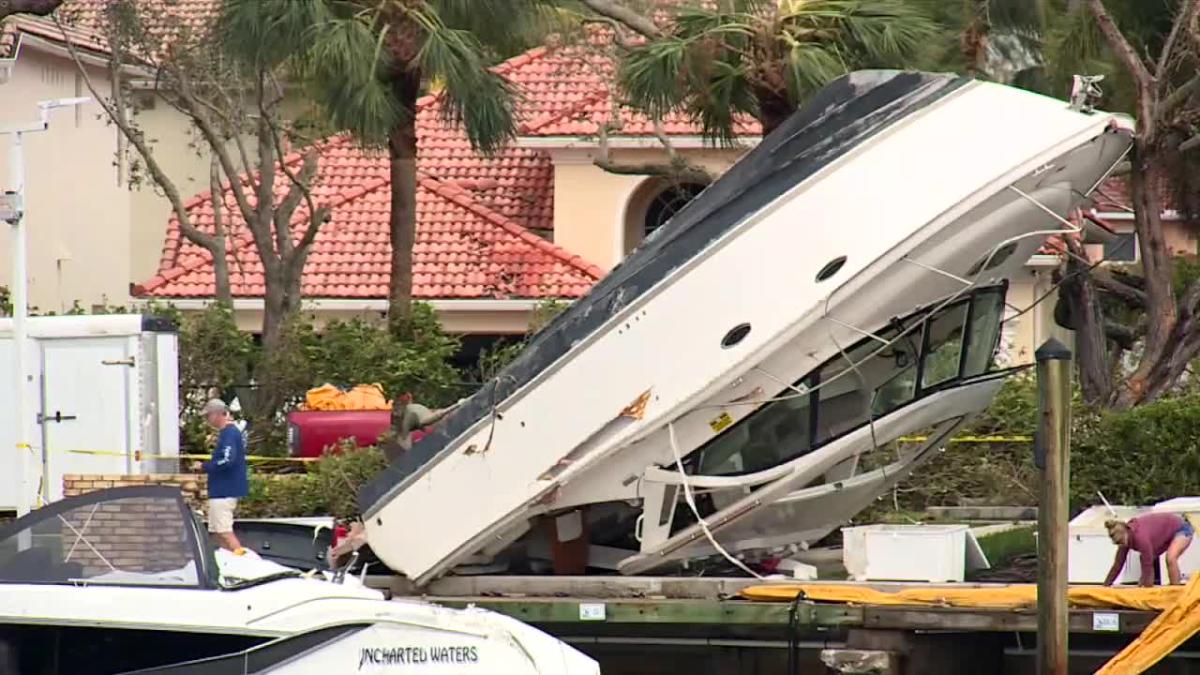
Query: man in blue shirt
column 227, row 479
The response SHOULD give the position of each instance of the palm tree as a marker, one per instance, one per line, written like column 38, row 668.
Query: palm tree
column 368, row 61
column 717, row 61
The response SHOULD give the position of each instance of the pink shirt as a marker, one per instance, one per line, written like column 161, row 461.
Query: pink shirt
column 1149, row 535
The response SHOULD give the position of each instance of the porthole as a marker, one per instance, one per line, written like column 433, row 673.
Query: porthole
column 735, row 335
column 1002, row 255
column 999, row 258
column 831, row 268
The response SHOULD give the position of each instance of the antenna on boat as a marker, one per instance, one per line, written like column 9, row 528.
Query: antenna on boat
column 1085, row 92
column 1108, row 506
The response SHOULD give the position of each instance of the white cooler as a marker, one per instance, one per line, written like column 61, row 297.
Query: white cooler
column 934, row 553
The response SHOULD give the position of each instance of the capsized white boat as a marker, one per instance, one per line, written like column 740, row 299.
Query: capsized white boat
column 840, row 287
column 124, row 581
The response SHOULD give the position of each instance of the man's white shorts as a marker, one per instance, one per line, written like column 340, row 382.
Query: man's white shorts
column 220, row 514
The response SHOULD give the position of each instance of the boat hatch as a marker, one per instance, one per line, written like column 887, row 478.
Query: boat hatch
column 134, row 536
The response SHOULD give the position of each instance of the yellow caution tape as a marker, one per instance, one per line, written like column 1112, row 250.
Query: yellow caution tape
column 139, row 456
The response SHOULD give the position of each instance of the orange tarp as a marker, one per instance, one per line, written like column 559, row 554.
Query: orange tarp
column 1178, row 621
column 362, row 397
column 997, row 597
column 1173, row 627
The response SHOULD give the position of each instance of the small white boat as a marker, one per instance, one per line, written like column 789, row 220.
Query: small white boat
column 124, row 581
column 840, row 287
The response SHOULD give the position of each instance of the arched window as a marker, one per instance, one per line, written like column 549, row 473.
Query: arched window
column 654, row 203
column 667, row 203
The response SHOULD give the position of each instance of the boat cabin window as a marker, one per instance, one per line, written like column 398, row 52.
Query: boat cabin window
column 135, row 540
column 956, row 343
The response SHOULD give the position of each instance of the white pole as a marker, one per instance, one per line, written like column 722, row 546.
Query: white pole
column 20, row 292
column 20, row 304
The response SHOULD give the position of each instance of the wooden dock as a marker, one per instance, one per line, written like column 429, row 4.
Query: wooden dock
column 698, row 625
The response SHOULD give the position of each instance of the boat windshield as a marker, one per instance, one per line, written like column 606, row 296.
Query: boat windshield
column 140, row 536
column 956, row 343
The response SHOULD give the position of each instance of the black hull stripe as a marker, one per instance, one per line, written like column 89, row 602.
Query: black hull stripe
column 256, row 659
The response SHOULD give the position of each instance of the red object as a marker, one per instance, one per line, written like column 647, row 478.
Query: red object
column 310, row 432
column 339, row 532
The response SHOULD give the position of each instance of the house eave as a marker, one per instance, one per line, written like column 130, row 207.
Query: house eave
column 352, row 305
column 627, row 142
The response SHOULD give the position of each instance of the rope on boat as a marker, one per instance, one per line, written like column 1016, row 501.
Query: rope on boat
column 691, row 502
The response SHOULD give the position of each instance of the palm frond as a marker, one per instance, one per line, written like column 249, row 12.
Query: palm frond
column 344, row 66
column 505, row 27
column 473, row 96
column 650, row 75
column 270, row 32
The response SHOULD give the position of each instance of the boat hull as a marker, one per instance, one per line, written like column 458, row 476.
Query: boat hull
column 778, row 292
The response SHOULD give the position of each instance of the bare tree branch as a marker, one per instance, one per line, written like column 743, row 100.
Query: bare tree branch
column 616, row 11
column 1181, row 95
column 215, row 140
column 677, row 167
column 1127, row 293
column 119, row 116
column 1183, row 21
column 1128, row 56
column 618, row 30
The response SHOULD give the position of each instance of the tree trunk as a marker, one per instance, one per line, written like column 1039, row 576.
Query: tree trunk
column 221, row 273
column 1161, row 310
column 38, row 7
column 772, row 112
column 402, row 154
column 1084, row 316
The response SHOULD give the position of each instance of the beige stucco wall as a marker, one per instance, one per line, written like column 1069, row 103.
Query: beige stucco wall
column 1023, row 335
column 92, row 230
column 188, row 168
column 592, row 206
column 78, row 217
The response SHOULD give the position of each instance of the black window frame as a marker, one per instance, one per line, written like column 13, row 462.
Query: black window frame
column 923, row 317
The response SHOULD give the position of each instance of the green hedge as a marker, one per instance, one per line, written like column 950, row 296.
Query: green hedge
column 1138, row 456
column 330, row 487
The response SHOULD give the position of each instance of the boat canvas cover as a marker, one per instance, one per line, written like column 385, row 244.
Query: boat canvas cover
column 836, row 120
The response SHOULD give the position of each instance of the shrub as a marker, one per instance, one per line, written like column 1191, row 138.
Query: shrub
column 1137, row 456
column 329, row 488
column 358, row 351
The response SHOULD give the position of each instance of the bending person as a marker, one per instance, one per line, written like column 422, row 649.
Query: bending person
column 1151, row 535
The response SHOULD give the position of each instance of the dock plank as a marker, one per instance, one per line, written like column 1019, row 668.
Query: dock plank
column 701, row 612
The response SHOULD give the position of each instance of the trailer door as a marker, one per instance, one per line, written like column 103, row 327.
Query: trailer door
column 85, row 407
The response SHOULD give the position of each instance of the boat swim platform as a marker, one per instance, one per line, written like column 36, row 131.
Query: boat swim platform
column 616, row 618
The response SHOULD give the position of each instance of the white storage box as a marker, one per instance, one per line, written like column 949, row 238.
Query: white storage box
column 935, row 553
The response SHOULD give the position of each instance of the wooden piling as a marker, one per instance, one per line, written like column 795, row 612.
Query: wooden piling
column 1052, row 456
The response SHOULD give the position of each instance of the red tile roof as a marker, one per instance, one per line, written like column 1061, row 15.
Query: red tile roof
column 476, row 215
column 466, row 247
column 568, row 91
column 82, row 21
column 1113, row 196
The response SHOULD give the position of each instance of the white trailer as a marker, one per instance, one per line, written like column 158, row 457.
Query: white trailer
column 105, row 394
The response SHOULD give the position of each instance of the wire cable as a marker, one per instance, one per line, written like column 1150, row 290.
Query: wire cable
column 690, row 498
